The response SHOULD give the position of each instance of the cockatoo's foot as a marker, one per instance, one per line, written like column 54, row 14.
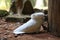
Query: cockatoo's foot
column 16, row 34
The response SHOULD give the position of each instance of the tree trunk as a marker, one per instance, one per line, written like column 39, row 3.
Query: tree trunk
column 54, row 17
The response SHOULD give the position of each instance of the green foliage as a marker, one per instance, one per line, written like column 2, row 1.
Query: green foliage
column 5, row 4
column 8, row 2
column 3, row 13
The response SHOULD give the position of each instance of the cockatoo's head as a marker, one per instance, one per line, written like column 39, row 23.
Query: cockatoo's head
column 37, row 16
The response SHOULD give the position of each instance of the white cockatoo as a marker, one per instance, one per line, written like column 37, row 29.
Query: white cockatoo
column 33, row 25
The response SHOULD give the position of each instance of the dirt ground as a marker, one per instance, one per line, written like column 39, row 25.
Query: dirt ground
column 6, row 29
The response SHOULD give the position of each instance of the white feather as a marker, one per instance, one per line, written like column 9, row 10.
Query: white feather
column 33, row 25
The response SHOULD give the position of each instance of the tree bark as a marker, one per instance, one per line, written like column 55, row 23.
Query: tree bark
column 54, row 16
